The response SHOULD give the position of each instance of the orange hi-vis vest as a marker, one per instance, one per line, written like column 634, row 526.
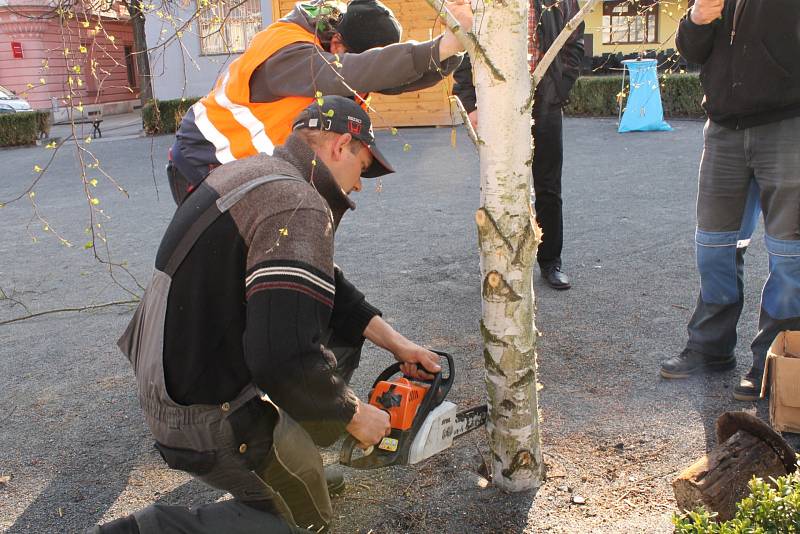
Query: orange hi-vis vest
column 237, row 127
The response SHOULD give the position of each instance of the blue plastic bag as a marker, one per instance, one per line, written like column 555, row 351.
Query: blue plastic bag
column 643, row 110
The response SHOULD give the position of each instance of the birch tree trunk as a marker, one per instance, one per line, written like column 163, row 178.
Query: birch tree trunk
column 508, row 236
column 507, row 232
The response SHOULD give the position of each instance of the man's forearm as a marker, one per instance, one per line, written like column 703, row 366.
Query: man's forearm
column 287, row 72
column 694, row 41
column 383, row 335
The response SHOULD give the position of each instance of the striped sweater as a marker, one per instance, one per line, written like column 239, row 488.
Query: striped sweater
column 259, row 289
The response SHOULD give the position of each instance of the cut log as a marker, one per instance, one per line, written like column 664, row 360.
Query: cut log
column 719, row 479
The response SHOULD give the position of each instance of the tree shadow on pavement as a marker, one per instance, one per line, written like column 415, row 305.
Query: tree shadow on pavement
column 77, row 497
column 712, row 398
column 81, row 494
column 191, row 494
column 715, row 396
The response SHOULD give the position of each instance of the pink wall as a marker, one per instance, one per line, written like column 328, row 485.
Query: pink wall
column 46, row 38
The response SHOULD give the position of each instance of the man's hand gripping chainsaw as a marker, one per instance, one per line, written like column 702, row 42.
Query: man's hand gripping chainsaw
column 423, row 423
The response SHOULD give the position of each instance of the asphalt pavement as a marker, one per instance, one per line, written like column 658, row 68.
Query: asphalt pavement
column 73, row 440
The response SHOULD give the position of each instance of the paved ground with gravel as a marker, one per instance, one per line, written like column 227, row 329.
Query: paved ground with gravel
column 77, row 451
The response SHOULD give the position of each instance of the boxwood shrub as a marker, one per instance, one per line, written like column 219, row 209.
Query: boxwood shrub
column 596, row 96
column 23, row 128
column 164, row 116
column 771, row 507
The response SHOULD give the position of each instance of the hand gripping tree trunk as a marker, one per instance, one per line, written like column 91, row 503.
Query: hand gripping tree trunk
column 508, row 236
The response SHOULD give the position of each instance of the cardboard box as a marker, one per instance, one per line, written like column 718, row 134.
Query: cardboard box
column 782, row 374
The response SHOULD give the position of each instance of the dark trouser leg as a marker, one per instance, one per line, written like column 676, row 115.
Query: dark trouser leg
column 231, row 516
column 727, row 210
column 548, row 156
column 289, row 490
column 289, row 483
column 775, row 159
column 178, row 184
column 712, row 328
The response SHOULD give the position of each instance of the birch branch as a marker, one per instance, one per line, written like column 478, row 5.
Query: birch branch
column 467, row 39
column 555, row 48
column 473, row 135
column 71, row 309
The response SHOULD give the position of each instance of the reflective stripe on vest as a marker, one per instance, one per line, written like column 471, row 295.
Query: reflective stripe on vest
column 237, row 127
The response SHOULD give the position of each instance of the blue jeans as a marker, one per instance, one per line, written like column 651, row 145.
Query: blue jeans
column 742, row 173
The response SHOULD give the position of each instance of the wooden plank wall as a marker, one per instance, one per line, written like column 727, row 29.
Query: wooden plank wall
column 429, row 107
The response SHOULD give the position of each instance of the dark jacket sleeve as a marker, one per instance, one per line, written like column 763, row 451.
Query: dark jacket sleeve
column 302, row 69
column 463, row 87
column 572, row 52
column 289, row 306
column 429, row 79
column 695, row 41
column 351, row 311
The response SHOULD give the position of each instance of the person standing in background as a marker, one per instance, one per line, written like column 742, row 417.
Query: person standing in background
column 546, row 19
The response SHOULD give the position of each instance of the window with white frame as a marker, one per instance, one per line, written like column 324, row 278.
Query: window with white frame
column 630, row 21
column 227, row 26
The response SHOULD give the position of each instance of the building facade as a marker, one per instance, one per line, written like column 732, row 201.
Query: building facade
column 190, row 46
column 81, row 57
column 633, row 26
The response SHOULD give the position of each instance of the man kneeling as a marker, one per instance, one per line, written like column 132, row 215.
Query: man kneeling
column 248, row 333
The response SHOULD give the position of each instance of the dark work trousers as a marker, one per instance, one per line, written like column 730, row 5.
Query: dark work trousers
column 548, row 156
column 742, row 173
column 288, row 495
column 178, row 184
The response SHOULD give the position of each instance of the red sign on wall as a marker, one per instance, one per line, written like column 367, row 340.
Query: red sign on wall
column 16, row 48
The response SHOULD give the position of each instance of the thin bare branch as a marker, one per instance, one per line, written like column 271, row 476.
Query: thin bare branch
column 473, row 135
column 65, row 310
column 555, row 48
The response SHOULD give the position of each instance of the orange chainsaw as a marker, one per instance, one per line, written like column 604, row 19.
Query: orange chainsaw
column 423, row 423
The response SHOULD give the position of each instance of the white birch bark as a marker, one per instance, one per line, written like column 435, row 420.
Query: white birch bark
column 508, row 237
column 507, row 232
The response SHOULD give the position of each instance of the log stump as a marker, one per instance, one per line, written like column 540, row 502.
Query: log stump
column 747, row 447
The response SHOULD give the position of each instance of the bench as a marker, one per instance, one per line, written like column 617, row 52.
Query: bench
column 93, row 117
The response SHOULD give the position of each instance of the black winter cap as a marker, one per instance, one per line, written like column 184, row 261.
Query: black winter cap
column 368, row 24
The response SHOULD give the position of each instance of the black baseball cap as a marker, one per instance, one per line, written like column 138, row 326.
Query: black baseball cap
column 368, row 24
column 342, row 115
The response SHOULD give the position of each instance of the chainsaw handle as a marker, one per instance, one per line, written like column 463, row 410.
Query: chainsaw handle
column 371, row 459
column 346, row 453
column 446, row 383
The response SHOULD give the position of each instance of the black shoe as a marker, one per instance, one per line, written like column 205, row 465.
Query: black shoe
column 749, row 388
column 555, row 278
column 335, row 480
column 690, row 362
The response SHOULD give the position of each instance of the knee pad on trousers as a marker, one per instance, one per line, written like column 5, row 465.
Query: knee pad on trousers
column 717, row 265
column 781, row 296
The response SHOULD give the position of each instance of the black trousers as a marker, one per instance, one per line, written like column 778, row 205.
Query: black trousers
column 178, row 184
column 548, row 157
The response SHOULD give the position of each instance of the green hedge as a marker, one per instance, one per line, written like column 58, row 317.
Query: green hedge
column 596, row 96
column 770, row 508
column 164, row 116
column 23, row 128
